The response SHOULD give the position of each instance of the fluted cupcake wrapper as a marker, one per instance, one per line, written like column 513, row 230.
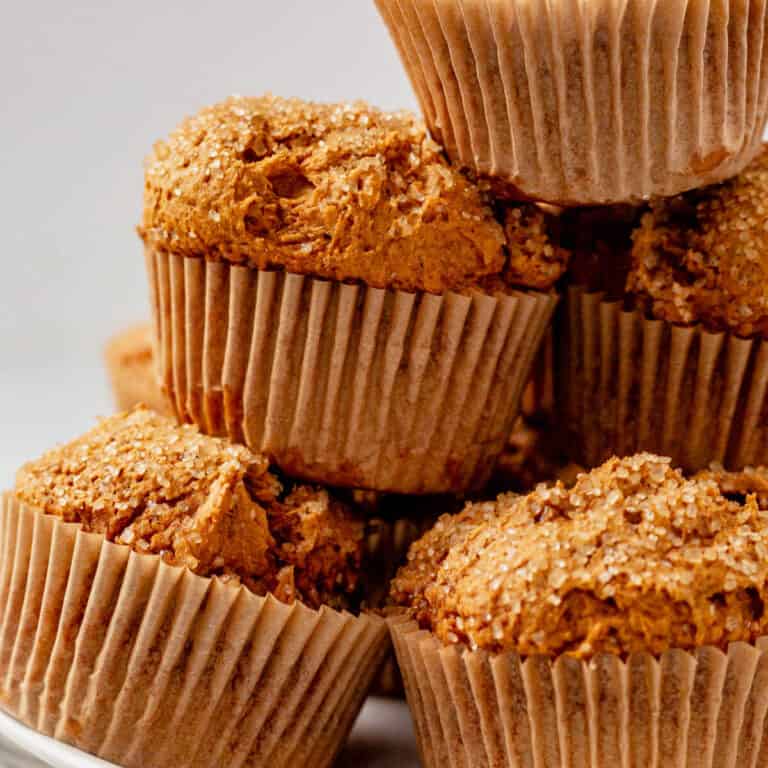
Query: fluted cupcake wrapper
column 705, row 709
column 628, row 383
column 150, row 666
column 345, row 384
column 386, row 547
column 596, row 102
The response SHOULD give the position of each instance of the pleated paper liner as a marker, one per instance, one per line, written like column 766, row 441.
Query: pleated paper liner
column 475, row 710
column 149, row 666
column 386, row 547
column 345, row 384
column 627, row 383
column 590, row 102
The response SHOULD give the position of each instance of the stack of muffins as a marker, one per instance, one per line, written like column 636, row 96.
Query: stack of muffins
column 354, row 331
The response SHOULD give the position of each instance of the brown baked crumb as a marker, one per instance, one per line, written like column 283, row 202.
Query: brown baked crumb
column 633, row 558
column 340, row 191
column 740, row 485
column 535, row 260
column 201, row 503
column 130, row 363
column 703, row 256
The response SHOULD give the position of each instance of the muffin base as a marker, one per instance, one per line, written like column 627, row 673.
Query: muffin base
column 473, row 709
column 627, row 383
column 345, row 384
column 132, row 660
column 589, row 103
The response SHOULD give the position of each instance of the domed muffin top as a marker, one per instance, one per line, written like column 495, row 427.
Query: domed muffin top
column 703, row 256
column 201, row 503
column 340, row 191
column 633, row 558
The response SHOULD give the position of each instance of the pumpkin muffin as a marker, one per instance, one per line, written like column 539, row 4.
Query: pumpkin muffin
column 185, row 607
column 130, row 360
column 329, row 290
column 583, row 596
column 676, row 362
column 590, row 104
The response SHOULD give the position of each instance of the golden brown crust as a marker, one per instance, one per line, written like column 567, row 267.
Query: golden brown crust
column 750, row 481
column 201, row 503
column 633, row 558
column 534, row 258
column 339, row 191
column 703, row 256
column 130, row 363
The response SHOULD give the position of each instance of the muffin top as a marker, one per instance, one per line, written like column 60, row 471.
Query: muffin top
column 131, row 347
column 703, row 256
column 633, row 558
column 339, row 191
column 201, row 503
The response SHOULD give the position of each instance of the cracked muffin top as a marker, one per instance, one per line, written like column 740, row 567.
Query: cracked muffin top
column 634, row 557
column 339, row 191
column 202, row 503
column 703, row 256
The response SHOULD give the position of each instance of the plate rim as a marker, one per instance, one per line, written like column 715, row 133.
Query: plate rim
column 45, row 749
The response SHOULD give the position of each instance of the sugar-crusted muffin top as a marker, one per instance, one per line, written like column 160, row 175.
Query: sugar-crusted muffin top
column 340, row 191
column 633, row 558
column 201, row 503
column 703, row 256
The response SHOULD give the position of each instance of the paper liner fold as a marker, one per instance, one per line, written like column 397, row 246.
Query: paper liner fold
column 627, row 383
column 345, row 384
column 149, row 666
column 701, row 710
column 592, row 102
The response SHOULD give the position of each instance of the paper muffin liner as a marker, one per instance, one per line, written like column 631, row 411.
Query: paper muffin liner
column 386, row 547
column 539, row 394
column 346, row 384
column 627, row 383
column 148, row 665
column 476, row 710
column 590, row 102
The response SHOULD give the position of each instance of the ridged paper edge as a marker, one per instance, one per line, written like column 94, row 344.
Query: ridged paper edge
column 705, row 709
column 150, row 666
column 576, row 103
column 629, row 383
column 346, row 384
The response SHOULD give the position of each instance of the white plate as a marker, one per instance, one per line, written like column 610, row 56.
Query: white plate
column 382, row 738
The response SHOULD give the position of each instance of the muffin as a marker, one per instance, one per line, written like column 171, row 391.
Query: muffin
column 676, row 364
column 130, row 361
column 590, row 104
column 621, row 622
column 165, row 601
column 331, row 292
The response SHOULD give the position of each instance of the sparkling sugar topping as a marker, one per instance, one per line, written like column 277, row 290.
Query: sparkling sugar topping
column 634, row 557
column 202, row 503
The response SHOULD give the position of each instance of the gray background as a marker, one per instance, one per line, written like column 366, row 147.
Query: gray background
column 86, row 89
